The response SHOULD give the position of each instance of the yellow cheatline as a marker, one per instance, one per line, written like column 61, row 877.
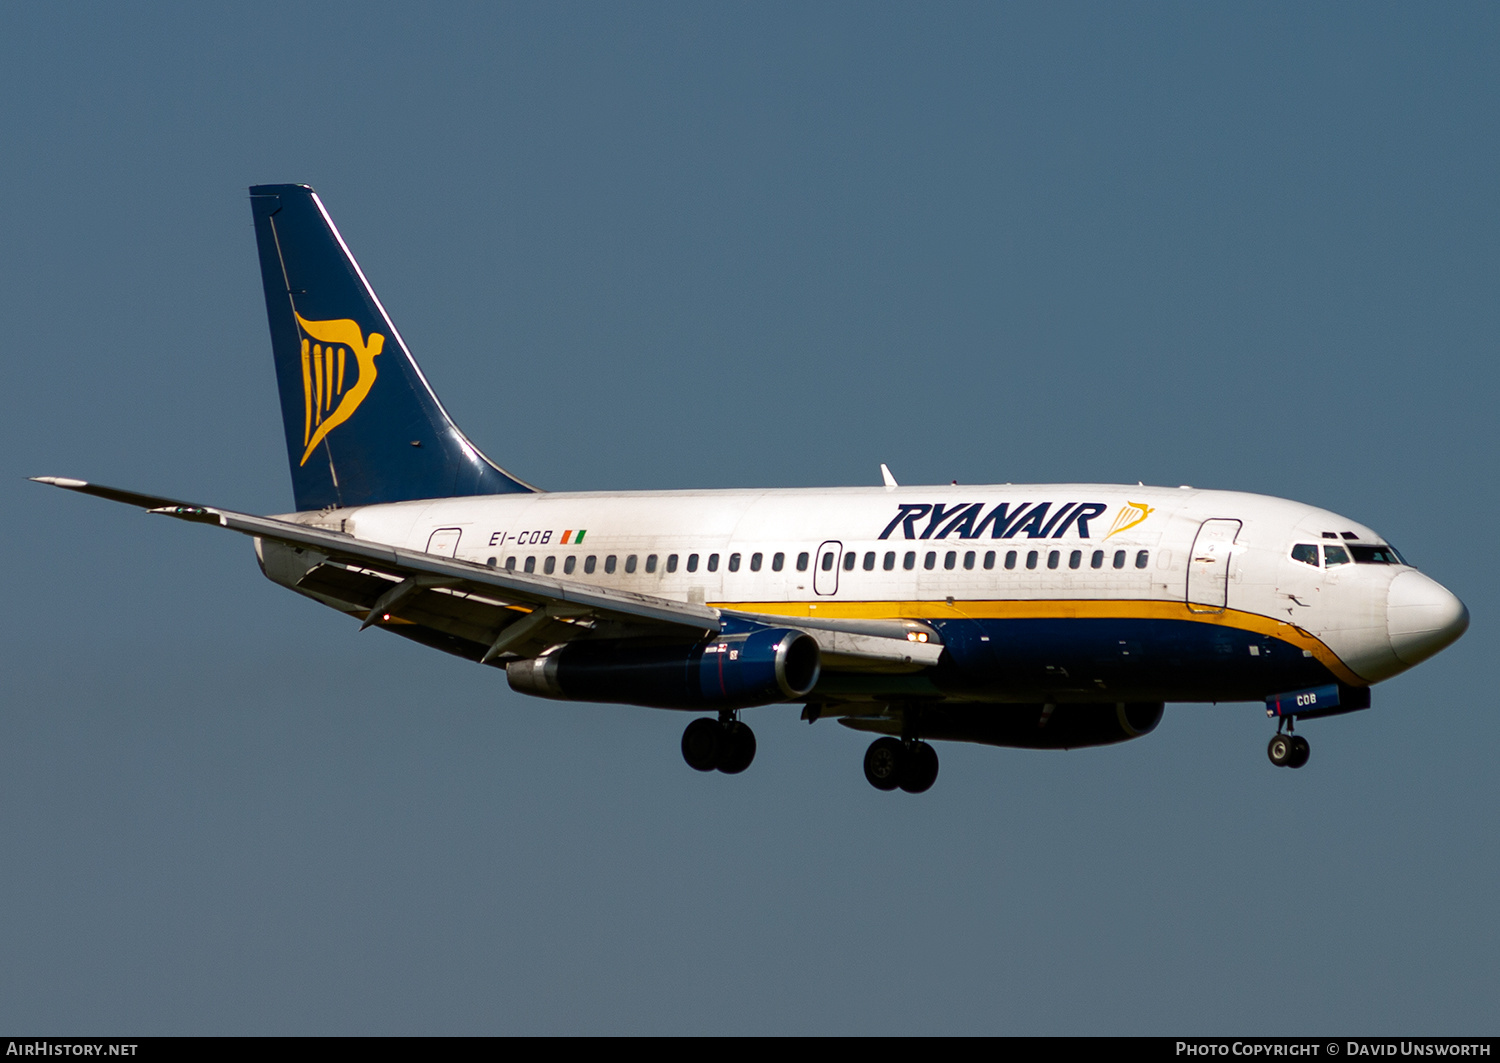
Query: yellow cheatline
column 346, row 332
column 307, row 395
column 1013, row 609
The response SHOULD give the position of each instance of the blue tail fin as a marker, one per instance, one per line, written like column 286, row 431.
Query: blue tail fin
column 362, row 424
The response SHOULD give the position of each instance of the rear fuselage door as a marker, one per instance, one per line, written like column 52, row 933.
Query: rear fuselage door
column 444, row 541
column 1208, row 566
column 826, row 567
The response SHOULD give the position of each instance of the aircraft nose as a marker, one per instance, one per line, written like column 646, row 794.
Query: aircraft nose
column 1422, row 616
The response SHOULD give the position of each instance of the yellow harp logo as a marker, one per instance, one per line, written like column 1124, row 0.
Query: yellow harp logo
column 325, row 346
column 1131, row 514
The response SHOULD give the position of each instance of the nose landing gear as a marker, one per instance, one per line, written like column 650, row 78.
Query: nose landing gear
column 911, row 765
column 1288, row 750
column 724, row 744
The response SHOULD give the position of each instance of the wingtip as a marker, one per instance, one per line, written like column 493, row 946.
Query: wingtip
column 58, row 481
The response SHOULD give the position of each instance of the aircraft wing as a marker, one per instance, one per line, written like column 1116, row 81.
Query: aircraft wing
column 468, row 602
column 482, row 613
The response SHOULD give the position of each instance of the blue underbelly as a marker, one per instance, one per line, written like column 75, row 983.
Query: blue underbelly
column 1077, row 659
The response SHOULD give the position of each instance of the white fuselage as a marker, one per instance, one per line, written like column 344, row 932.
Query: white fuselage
column 926, row 553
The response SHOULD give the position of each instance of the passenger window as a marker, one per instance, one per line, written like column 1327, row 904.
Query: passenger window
column 492, row 562
column 1097, row 561
column 692, row 565
column 609, row 565
column 909, row 562
column 1335, row 555
column 1307, row 553
column 650, row 562
column 671, row 562
column 950, row 559
column 549, row 566
column 1053, row 557
column 890, row 560
column 1141, row 557
column 510, row 564
column 755, row 560
column 778, row 559
column 1031, row 556
column 1119, row 559
column 734, row 562
column 589, row 564
column 802, row 561
column 713, row 562
column 531, row 564
column 1010, row 559
column 969, row 559
column 989, row 559
column 1075, row 559
column 570, row 563
column 930, row 561
column 828, row 561
column 870, row 561
column 850, row 560
column 630, row 563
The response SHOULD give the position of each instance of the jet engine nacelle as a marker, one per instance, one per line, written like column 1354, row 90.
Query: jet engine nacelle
column 731, row 671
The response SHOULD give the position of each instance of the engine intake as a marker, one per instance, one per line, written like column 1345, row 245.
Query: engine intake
column 731, row 671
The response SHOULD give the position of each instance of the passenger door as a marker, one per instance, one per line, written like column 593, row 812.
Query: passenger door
column 1208, row 566
column 444, row 541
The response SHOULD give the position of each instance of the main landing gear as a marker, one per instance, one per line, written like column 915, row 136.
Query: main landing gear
column 911, row 765
column 724, row 744
column 1288, row 750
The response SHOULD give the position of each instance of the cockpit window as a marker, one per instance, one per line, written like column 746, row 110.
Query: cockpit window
column 1307, row 553
column 1335, row 555
column 1375, row 555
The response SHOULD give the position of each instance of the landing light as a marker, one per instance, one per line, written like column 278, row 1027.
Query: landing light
column 916, row 636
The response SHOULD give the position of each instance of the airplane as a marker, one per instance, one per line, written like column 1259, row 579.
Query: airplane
column 1039, row 616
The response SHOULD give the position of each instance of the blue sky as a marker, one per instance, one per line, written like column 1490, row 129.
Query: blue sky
column 1237, row 246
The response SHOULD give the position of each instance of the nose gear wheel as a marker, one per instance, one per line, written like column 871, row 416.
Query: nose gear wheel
column 1288, row 750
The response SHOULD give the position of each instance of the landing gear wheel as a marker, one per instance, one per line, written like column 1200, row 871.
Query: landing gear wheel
column 884, row 761
column 1300, row 752
column 736, row 748
column 702, row 742
column 921, row 768
column 1280, row 750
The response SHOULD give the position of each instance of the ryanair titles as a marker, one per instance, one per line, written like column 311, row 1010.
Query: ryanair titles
column 1008, row 520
